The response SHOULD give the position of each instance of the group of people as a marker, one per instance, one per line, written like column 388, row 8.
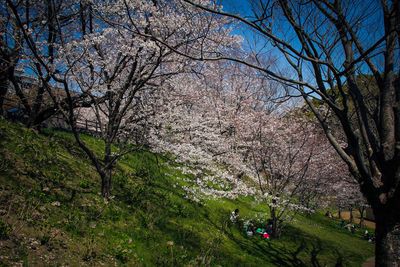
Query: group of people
column 329, row 215
column 352, row 228
column 251, row 229
column 349, row 227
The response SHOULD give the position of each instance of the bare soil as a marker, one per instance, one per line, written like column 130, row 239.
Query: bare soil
column 369, row 263
column 356, row 215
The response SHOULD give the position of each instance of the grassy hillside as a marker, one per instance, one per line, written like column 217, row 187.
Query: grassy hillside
column 51, row 214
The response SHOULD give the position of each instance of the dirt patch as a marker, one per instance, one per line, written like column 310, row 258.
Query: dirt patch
column 356, row 215
column 369, row 263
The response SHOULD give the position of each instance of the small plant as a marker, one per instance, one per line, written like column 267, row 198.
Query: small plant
column 84, row 185
column 44, row 239
column 5, row 164
column 122, row 256
column 90, row 253
column 5, row 230
column 124, row 249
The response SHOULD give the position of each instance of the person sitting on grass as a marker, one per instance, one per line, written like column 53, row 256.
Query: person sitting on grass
column 234, row 220
column 263, row 233
column 235, row 216
column 371, row 239
column 266, row 235
column 250, row 228
column 366, row 235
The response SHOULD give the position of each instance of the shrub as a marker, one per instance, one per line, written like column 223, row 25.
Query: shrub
column 5, row 230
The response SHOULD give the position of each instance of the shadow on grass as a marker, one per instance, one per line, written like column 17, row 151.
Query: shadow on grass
column 306, row 253
column 262, row 249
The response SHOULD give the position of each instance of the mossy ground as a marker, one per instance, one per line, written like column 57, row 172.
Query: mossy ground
column 51, row 214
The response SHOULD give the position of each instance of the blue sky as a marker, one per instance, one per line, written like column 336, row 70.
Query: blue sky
column 368, row 31
column 236, row 6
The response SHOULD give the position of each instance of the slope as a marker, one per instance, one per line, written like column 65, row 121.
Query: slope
column 51, row 214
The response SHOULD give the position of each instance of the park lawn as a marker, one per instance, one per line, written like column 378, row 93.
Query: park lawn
column 51, row 214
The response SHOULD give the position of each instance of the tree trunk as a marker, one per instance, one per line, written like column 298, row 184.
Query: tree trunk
column 387, row 236
column 361, row 210
column 351, row 215
column 361, row 222
column 275, row 225
column 3, row 90
column 340, row 213
column 106, row 183
column 108, row 166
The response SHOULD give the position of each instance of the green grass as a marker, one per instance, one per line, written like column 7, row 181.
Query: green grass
column 51, row 214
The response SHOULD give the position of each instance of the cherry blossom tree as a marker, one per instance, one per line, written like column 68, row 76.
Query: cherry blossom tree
column 106, row 52
column 193, row 128
column 287, row 153
column 196, row 127
column 224, row 116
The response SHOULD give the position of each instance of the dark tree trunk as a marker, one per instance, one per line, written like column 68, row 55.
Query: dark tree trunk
column 108, row 166
column 36, row 106
column 3, row 90
column 276, row 232
column 351, row 215
column 361, row 209
column 106, row 183
column 361, row 222
column 387, row 236
column 19, row 92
